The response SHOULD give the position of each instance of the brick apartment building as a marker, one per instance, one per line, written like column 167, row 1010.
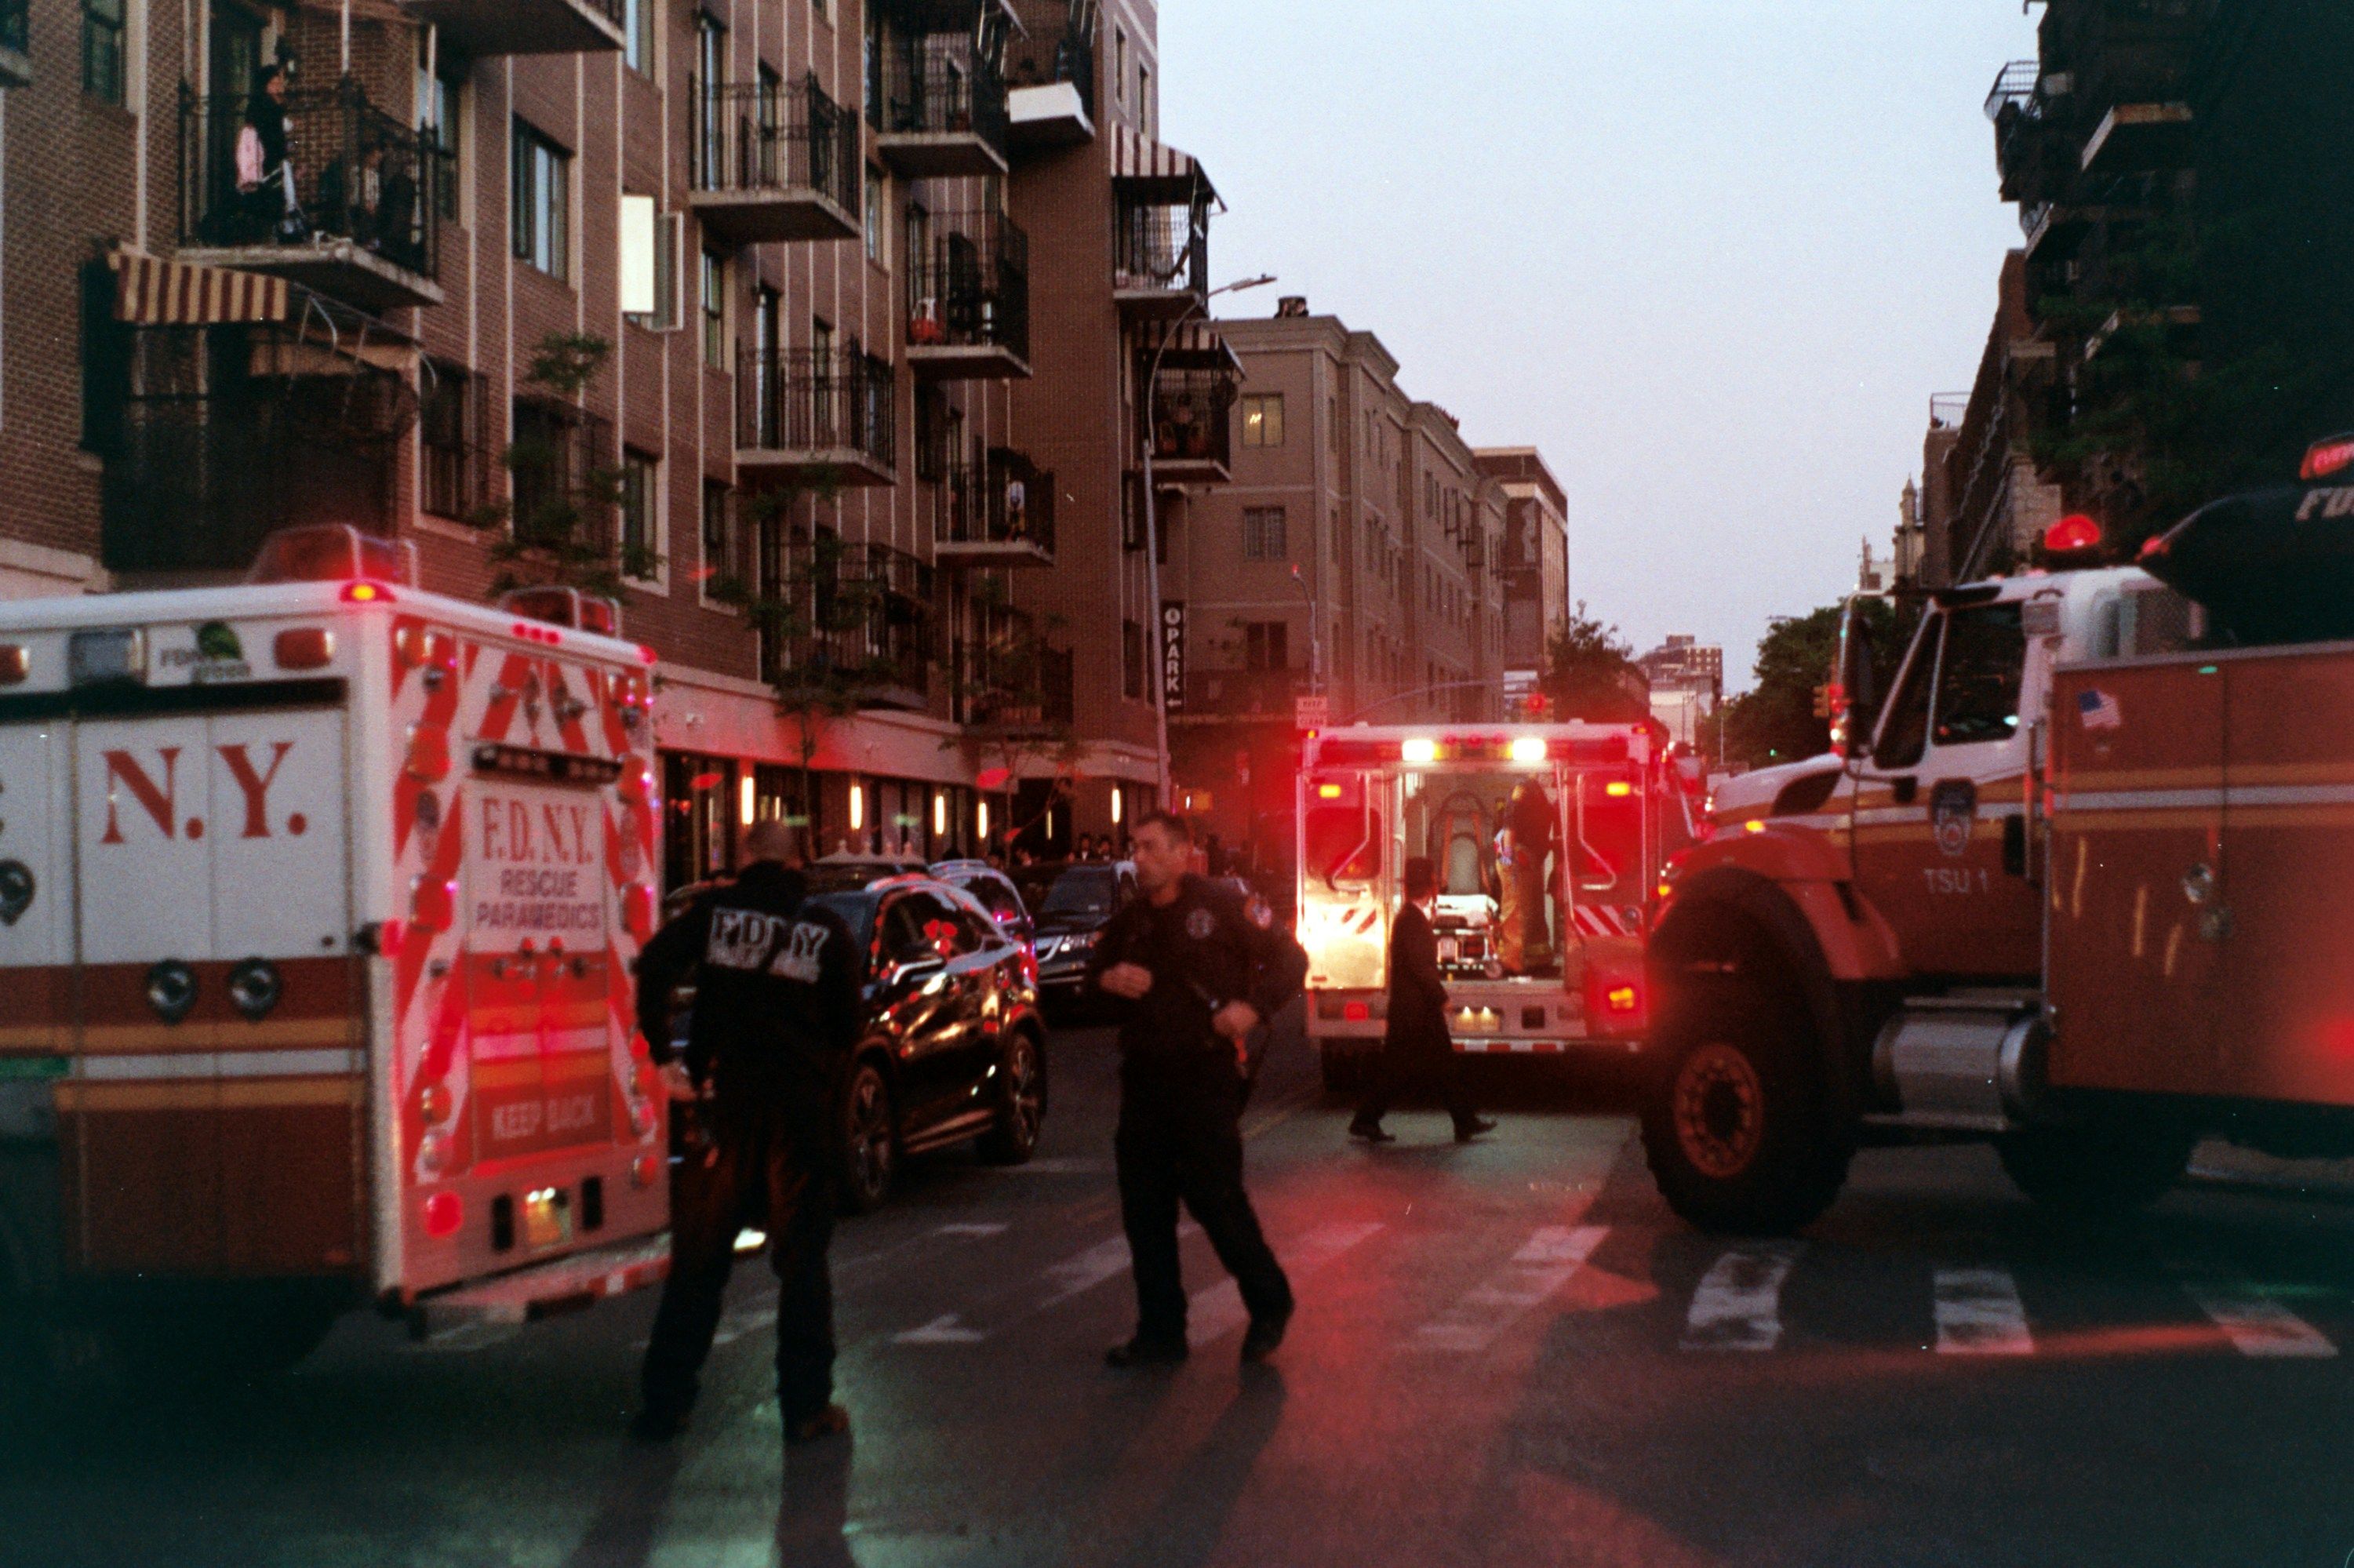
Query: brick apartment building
column 1535, row 564
column 754, row 304
column 1360, row 551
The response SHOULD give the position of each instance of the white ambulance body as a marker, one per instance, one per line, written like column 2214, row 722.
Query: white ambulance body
column 317, row 906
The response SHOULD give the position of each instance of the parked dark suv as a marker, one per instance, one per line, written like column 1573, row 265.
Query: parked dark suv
column 953, row 1045
column 1071, row 902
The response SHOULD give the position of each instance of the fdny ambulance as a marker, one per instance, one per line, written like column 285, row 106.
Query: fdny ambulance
column 2078, row 888
column 318, row 899
column 1547, row 839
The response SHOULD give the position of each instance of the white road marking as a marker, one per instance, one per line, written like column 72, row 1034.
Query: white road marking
column 1061, row 1167
column 2254, row 1323
column 1552, row 1256
column 1074, row 1275
column 944, row 1329
column 1980, row 1314
column 1217, row 1310
column 1738, row 1305
column 464, row 1339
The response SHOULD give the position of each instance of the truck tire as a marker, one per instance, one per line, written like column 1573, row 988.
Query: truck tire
column 1735, row 1127
column 1343, row 1071
column 2100, row 1169
column 870, row 1138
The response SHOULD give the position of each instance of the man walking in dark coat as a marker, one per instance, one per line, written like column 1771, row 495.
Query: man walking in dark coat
column 1196, row 969
column 1417, row 1047
column 776, row 1013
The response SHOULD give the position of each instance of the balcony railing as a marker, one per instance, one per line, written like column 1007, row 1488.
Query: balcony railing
column 941, row 113
column 1192, row 425
column 345, row 212
column 969, row 300
column 1242, row 694
column 770, row 161
column 561, row 478
column 1163, row 250
column 818, row 413
column 848, row 621
column 216, row 438
column 1007, row 677
column 997, row 512
column 1051, row 76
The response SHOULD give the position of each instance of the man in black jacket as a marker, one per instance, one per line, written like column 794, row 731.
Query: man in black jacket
column 1196, row 969
column 1416, row 1045
column 776, row 1013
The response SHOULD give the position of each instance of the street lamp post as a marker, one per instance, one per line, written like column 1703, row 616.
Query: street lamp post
column 1152, row 533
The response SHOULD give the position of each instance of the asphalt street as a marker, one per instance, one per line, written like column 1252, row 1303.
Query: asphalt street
column 1507, row 1354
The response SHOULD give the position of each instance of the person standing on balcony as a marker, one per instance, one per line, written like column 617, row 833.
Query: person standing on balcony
column 265, row 168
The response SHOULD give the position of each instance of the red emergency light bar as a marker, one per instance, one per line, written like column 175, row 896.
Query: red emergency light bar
column 1351, row 752
column 2323, row 459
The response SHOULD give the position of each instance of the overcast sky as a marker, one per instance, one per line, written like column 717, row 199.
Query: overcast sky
column 1712, row 256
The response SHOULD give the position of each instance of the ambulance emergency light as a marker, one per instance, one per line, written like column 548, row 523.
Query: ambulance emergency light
column 1422, row 750
column 334, row 553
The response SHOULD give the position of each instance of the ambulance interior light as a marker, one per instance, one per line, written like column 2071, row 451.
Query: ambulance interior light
column 1528, row 748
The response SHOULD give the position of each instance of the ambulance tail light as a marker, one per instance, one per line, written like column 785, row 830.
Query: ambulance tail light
column 303, row 647
column 445, row 1214
column 16, row 664
column 1619, row 789
column 1323, row 791
column 1357, row 1012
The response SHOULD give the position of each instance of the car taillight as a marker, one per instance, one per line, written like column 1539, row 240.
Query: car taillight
column 1357, row 1012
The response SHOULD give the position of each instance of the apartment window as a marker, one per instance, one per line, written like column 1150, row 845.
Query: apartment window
column 715, row 310
column 1144, row 114
column 101, row 49
column 718, row 505
column 1263, row 534
column 1263, row 419
column 1267, row 645
column 449, row 429
column 641, row 527
column 1131, row 512
column 638, row 33
column 437, row 120
column 541, row 214
column 1132, row 662
column 1119, row 64
column 876, row 205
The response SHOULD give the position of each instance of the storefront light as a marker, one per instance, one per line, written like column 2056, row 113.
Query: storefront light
column 747, row 802
column 982, row 819
column 1118, row 797
column 939, row 816
column 857, row 807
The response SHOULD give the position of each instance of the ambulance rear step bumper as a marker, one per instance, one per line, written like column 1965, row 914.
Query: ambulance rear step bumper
column 560, row 1284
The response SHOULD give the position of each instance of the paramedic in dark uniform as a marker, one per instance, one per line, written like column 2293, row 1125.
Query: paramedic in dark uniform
column 1196, row 969
column 1417, row 1046
column 776, row 1013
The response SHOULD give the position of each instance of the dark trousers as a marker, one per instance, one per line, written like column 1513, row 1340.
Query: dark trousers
column 1181, row 1139
column 765, row 1164
column 1417, row 1060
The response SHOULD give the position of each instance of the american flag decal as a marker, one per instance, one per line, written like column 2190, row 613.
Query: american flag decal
column 2095, row 709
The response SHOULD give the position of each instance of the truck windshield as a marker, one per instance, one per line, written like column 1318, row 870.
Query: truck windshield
column 1979, row 678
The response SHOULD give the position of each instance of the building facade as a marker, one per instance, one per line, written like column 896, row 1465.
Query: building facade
column 1687, row 679
column 809, row 329
column 1536, row 557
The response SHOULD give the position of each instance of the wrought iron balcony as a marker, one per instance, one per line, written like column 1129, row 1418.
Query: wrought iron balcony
column 481, row 29
column 214, row 437
column 347, row 213
column 1161, row 262
column 1192, row 417
column 969, row 301
column 1000, row 513
column 1008, row 679
column 770, row 163
column 1051, row 79
column 561, row 480
column 15, row 47
column 809, row 417
column 845, row 622
column 940, row 113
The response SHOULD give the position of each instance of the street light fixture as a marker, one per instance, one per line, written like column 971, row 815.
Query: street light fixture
column 1152, row 529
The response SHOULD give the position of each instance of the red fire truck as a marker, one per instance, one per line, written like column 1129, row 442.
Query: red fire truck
column 318, row 898
column 2078, row 888
column 1547, row 839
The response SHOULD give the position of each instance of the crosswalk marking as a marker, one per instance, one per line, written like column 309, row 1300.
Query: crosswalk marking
column 1738, row 1305
column 1552, row 1256
column 1215, row 1311
column 1980, row 1314
column 2255, row 1323
column 1075, row 1276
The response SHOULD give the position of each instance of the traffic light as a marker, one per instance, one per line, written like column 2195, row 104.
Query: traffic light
column 1537, row 707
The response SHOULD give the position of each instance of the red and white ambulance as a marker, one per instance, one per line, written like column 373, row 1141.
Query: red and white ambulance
column 318, row 898
column 1547, row 840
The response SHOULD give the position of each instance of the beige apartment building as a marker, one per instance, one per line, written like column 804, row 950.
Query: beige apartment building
column 1535, row 566
column 1359, row 554
column 748, row 309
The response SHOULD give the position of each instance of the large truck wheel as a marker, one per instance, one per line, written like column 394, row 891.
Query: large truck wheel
column 1343, row 1071
column 2099, row 1169
column 1733, row 1123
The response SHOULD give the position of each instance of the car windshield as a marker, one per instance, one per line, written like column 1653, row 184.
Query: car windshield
column 1081, row 890
column 857, row 912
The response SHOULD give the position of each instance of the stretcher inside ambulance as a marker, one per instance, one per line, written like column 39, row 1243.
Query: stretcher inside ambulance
column 1544, row 839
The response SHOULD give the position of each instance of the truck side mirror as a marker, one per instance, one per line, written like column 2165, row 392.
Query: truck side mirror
column 1857, row 708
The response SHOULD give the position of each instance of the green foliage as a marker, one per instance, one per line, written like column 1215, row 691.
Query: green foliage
column 560, row 525
column 1590, row 672
column 1774, row 722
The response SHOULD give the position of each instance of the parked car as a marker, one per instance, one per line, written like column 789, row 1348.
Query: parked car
column 997, row 893
column 953, row 1045
column 1071, row 902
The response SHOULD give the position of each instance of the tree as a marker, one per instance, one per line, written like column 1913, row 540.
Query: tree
column 1775, row 721
column 1590, row 672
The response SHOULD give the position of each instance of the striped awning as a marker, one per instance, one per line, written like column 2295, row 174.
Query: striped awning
column 1156, row 170
column 153, row 291
column 1200, row 346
